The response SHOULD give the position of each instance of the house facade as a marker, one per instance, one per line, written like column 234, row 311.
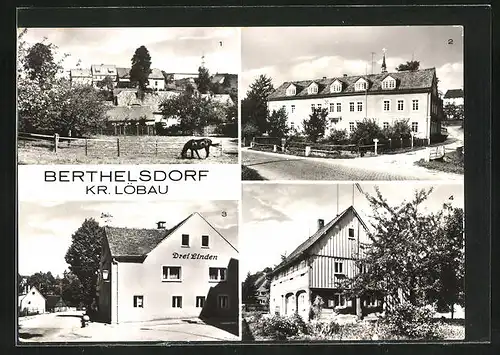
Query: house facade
column 32, row 302
column 318, row 266
column 190, row 270
column 101, row 71
column 454, row 96
column 80, row 76
column 156, row 80
column 385, row 97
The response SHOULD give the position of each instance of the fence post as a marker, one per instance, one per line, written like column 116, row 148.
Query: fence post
column 118, row 145
column 375, row 140
column 86, row 147
column 427, row 154
column 251, row 144
column 274, row 148
column 56, row 141
column 283, row 142
column 308, row 151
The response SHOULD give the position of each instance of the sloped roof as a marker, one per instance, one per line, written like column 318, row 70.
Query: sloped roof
column 454, row 94
column 306, row 245
column 103, row 68
column 405, row 81
column 156, row 74
column 54, row 300
column 128, row 113
column 123, row 73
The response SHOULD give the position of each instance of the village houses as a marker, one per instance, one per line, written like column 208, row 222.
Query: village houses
column 386, row 97
column 190, row 270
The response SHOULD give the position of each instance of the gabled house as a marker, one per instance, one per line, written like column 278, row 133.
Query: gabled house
column 156, row 79
column 317, row 267
column 55, row 303
column 190, row 270
column 123, row 78
column 454, row 96
column 32, row 302
column 101, row 71
column 262, row 289
column 80, row 76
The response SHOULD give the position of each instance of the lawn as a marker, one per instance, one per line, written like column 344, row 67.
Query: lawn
column 451, row 163
column 250, row 174
column 133, row 150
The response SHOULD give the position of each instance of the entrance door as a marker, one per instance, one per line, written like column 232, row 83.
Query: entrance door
column 289, row 304
column 302, row 305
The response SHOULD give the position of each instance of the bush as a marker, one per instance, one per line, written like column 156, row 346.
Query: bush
column 365, row 132
column 338, row 137
column 279, row 327
column 323, row 330
column 412, row 321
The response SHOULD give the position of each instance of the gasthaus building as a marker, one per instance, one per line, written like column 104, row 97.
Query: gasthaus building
column 316, row 266
column 188, row 271
column 386, row 97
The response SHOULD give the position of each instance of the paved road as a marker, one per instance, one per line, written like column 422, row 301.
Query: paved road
column 66, row 327
column 274, row 166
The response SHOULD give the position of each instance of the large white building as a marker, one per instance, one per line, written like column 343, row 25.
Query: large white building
column 385, row 97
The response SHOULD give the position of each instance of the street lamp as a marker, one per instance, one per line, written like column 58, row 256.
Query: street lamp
column 105, row 274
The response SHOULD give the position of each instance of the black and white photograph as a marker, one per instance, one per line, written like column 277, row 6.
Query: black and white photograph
column 128, row 271
column 351, row 261
column 128, row 95
column 352, row 103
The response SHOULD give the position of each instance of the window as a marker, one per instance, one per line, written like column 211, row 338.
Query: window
column 339, row 107
column 313, row 89
column 414, row 126
column 360, row 106
column 138, row 301
column 171, row 273
column 351, row 106
column 414, row 105
column 371, row 301
column 360, row 85
column 217, row 274
column 339, row 300
column 33, row 292
column 312, row 107
column 204, row 241
column 387, row 105
column 319, row 106
column 351, row 233
column 292, row 125
column 223, row 301
column 336, row 87
column 185, row 240
column 291, row 90
column 401, row 105
column 385, row 125
column 351, row 126
column 200, row 301
column 293, row 108
column 156, row 83
column 339, row 267
column 331, row 303
column 176, row 301
column 332, row 107
column 389, row 84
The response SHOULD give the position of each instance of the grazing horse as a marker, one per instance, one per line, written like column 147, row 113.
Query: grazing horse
column 196, row 144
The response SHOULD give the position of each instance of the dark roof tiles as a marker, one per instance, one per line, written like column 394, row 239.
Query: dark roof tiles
column 454, row 94
column 405, row 80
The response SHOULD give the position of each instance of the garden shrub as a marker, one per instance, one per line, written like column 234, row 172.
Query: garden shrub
column 280, row 327
column 323, row 330
column 412, row 321
column 338, row 137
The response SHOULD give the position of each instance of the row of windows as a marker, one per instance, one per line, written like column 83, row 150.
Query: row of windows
column 385, row 125
column 358, row 106
column 222, row 301
column 336, row 87
column 174, row 273
column 185, row 241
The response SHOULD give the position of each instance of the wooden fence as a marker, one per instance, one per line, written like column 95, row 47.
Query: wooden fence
column 104, row 146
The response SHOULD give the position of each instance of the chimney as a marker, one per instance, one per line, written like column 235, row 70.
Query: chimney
column 345, row 75
column 321, row 223
column 160, row 224
column 324, row 78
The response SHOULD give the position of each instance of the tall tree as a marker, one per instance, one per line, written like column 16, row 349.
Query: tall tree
column 45, row 282
column 141, row 68
column 411, row 253
column 83, row 257
column 248, row 290
column 72, row 290
column 411, row 65
column 40, row 64
column 203, row 82
column 254, row 106
column 278, row 124
column 315, row 126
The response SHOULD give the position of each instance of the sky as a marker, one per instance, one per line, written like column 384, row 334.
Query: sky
column 45, row 228
column 277, row 218
column 174, row 50
column 305, row 53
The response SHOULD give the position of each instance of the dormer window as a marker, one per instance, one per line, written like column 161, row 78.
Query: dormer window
column 291, row 90
column 361, row 85
column 336, row 87
column 312, row 89
column 388, row 83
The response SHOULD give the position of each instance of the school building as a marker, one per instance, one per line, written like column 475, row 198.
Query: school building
column 187, row 271
column 318, row 266
column 385, row 97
